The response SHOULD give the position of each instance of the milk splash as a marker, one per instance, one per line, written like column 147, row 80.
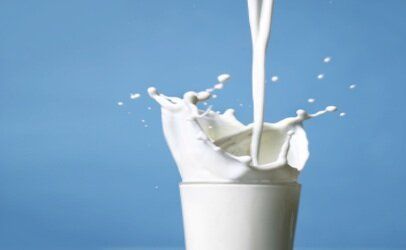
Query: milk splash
column 212, row 147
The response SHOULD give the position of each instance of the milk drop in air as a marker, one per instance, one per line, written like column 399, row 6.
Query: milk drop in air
column 219, row 86
column 135, row 96
column 274, row 78
column 327, row 59
column 223, row 78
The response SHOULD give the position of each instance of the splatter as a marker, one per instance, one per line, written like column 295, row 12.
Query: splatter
column 353, row 86
column 320, row 76
column 223, row 78
column 331, row 108
column 134, row 96
column 342, row 114
column 327, row 59
column 274, row 78
column 219, row 86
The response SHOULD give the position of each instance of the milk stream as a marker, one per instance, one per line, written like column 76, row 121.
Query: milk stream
column 209, row 146
column 260, row 16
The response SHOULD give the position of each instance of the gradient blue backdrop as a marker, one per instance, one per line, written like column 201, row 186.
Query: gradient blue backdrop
column 76, row 170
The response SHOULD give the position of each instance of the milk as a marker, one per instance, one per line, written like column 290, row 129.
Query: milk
column 239, row 187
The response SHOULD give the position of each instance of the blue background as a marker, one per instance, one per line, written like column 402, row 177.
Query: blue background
column 77, row 170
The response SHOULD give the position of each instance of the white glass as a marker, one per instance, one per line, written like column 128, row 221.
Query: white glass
column 239, row 216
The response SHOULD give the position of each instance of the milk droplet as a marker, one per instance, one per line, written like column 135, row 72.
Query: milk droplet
column 320, row 76
column 120, row 103
column 143, row 121
column 327, row 59
column 214, row 96
column 223, row 78
column 149, row 108
column 331, row 108
column 353, row 86
column 274, row 78
column 311, row 100
column 240, row 104
column 152, row 91
column 135, row 96
column 219, row 86
column 343, row 114
column 205, row 103
column 145, row 125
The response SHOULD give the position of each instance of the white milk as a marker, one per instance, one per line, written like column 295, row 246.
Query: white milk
column 260, row 16
column 213, row 147
column 239, row 185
